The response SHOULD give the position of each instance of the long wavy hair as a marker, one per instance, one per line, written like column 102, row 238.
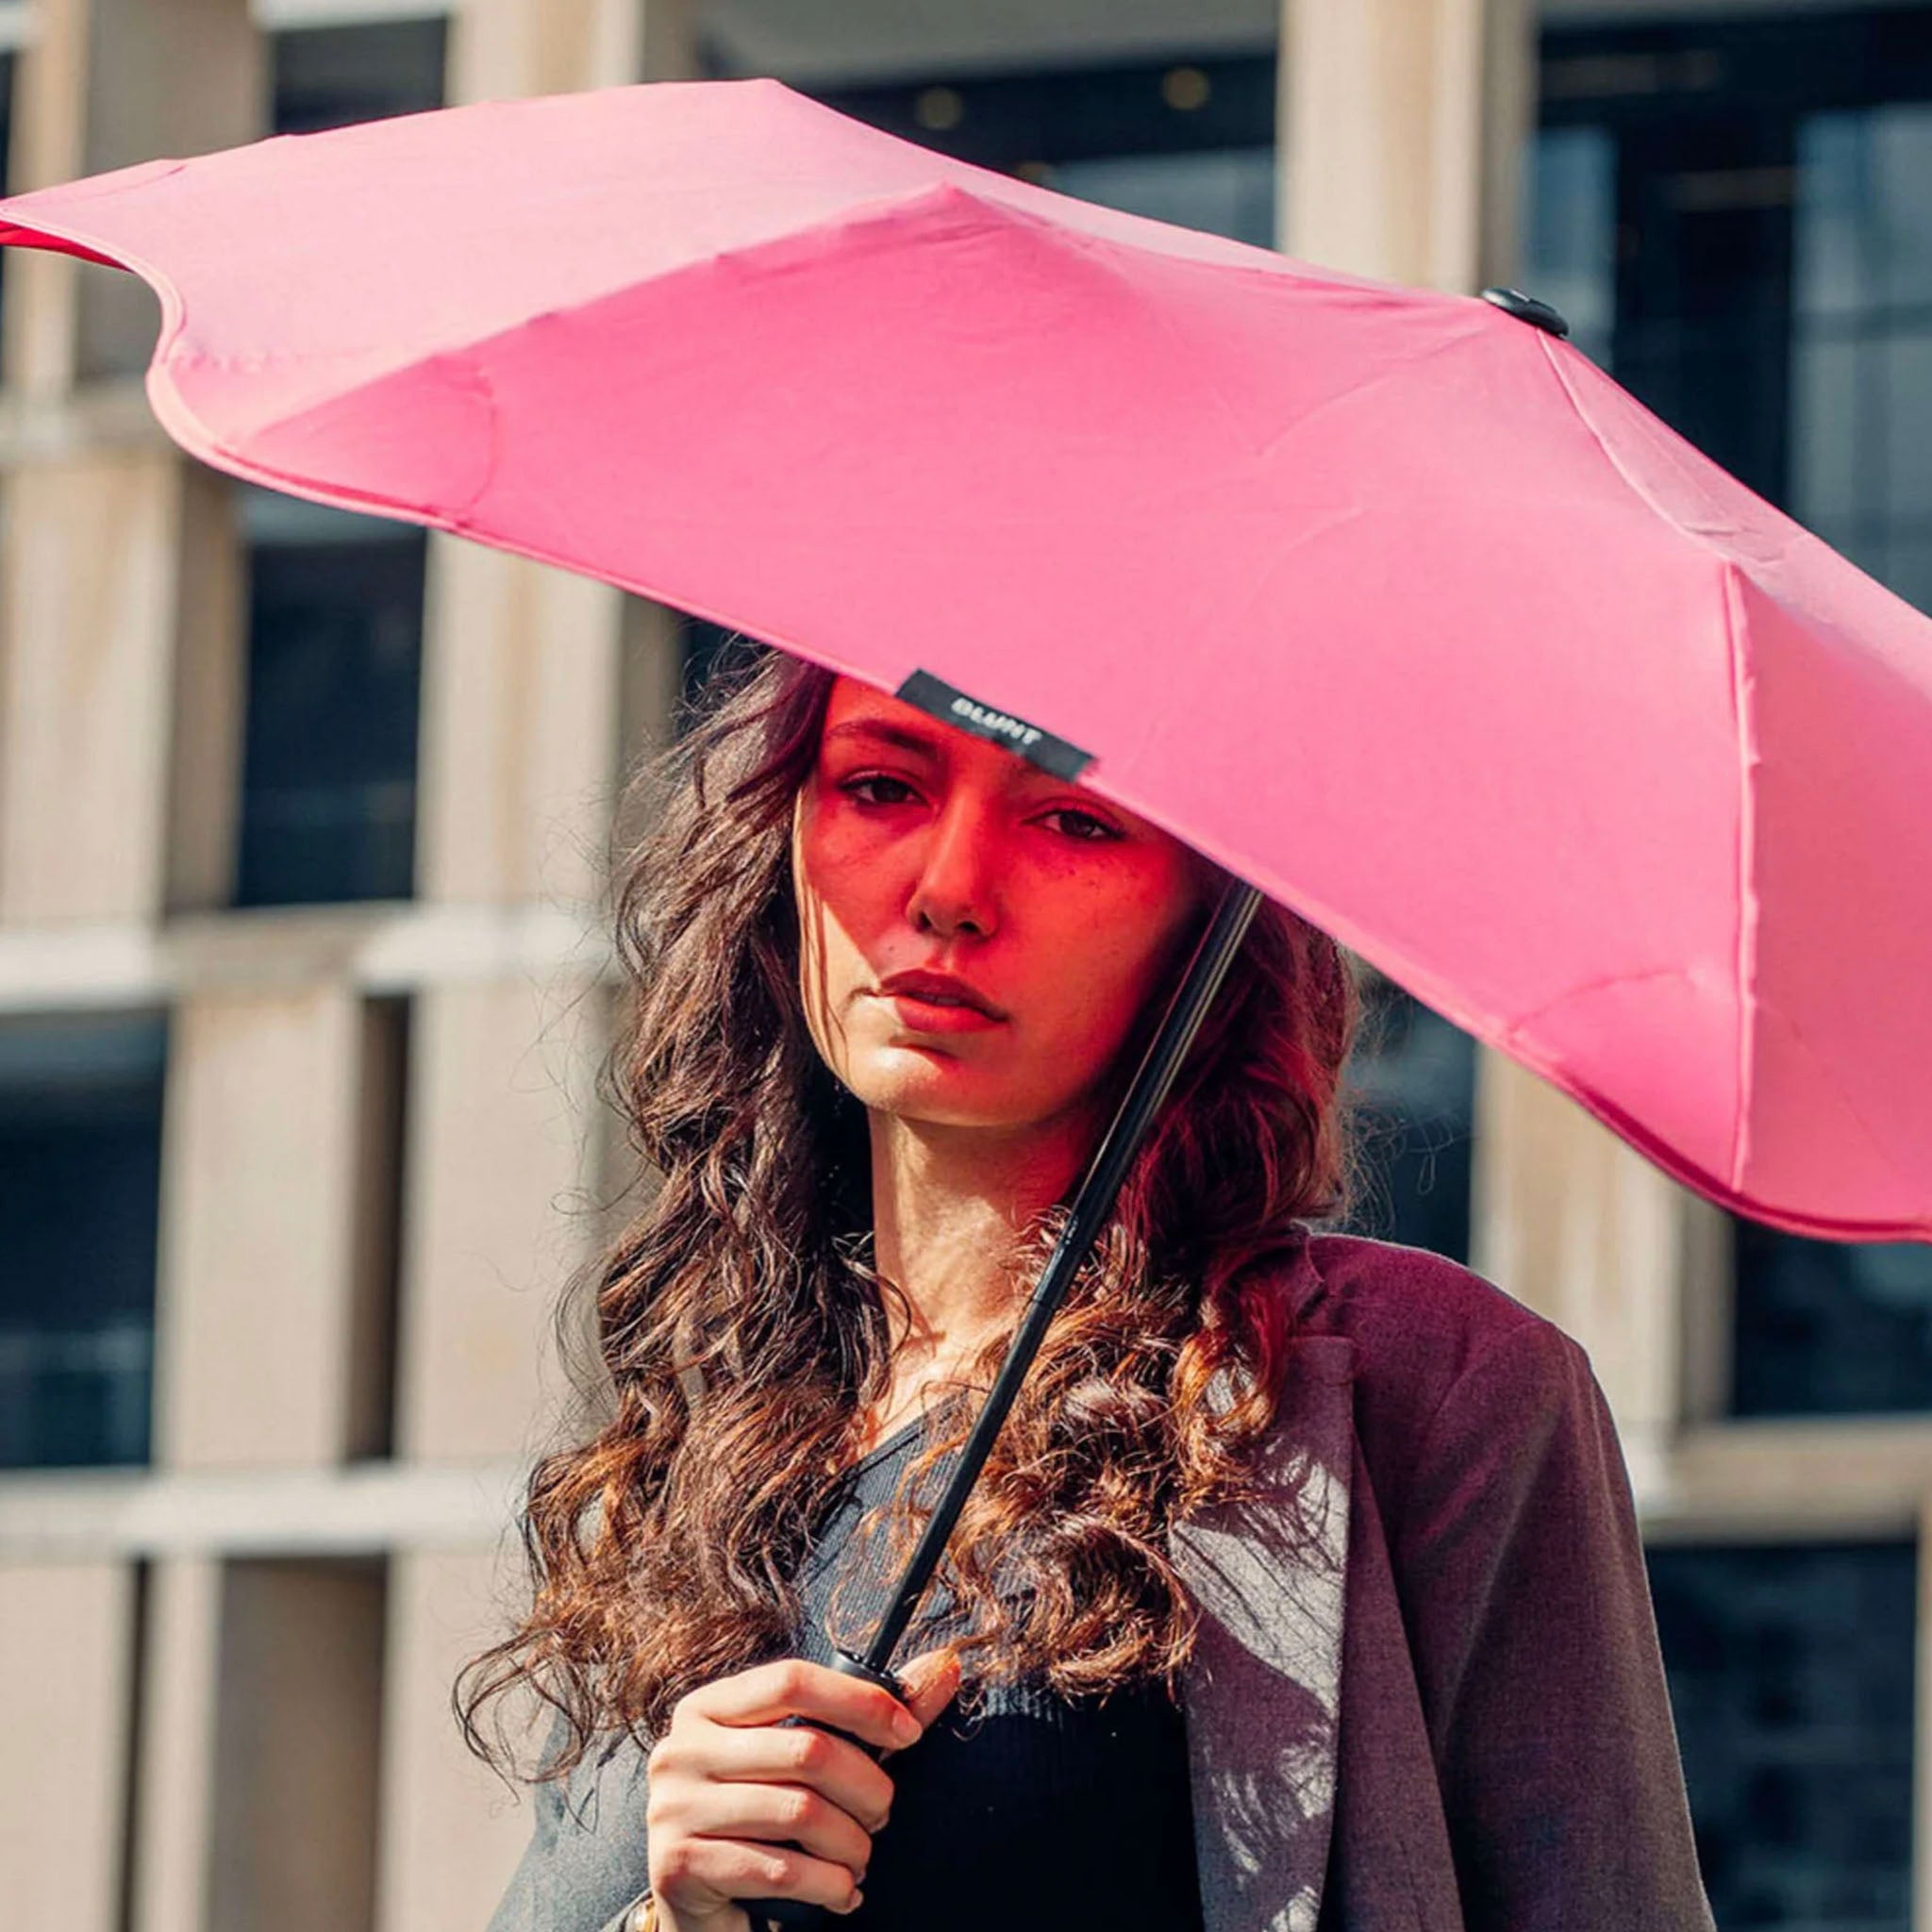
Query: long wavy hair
column 741, row 1327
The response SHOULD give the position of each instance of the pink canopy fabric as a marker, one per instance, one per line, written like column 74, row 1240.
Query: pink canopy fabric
column 1388, row 600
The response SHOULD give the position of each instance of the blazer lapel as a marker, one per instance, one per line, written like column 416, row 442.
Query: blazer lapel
column 1263, row 1691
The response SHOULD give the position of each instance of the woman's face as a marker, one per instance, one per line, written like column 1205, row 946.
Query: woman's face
column 916, row 845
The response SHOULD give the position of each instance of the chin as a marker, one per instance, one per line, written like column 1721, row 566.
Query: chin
column 935, row 1096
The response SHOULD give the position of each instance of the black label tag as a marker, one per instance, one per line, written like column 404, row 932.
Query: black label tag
column 939, row 699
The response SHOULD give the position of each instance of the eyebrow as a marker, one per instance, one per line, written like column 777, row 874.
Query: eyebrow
column 901, row 735
column 1018, row 772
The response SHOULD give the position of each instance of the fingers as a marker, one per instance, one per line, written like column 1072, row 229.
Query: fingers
column 790, row 1686
column 703, row 1875
column 782, row 1753
column 930, row 1680
column 788, row 1816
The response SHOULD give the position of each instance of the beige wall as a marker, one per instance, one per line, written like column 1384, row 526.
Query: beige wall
column 89, row 570
column 455, row 1830
column 66, row 1706
column 268, row 1272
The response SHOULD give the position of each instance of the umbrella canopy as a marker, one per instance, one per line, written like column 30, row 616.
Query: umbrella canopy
column 1389, row 601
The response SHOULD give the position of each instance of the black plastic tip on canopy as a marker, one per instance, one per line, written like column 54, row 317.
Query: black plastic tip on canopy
column 1528, row 309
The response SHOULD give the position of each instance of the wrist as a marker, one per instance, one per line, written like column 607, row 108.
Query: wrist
column 649, row 1915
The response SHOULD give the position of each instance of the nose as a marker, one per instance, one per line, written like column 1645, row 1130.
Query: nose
column 956, row 886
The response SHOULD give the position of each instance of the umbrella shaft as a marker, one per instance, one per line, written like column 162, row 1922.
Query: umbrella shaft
column 1092, row 1206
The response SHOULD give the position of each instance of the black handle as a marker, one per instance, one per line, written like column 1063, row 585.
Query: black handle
column 794, row 1914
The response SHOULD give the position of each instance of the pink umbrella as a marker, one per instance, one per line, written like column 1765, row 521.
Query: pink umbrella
column 1388, row 600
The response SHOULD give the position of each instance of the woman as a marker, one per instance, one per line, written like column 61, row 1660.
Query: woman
column 1303, row 1584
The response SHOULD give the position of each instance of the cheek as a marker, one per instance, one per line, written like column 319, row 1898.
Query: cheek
column 842, row 904
column 1113, row 952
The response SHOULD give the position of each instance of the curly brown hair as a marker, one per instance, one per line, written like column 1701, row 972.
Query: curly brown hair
column 743, row 1328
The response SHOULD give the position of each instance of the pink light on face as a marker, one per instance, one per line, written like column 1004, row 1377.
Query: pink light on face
column 921, row 848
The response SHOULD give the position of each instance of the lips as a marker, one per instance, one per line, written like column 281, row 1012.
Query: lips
column 941, row 989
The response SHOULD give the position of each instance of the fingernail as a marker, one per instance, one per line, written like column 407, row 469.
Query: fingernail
column 857, row 1899
column 905, row 1727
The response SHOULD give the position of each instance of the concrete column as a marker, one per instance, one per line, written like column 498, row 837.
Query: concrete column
column 452, row 1832
column 210, row 682
column 47, row 145
column 164, row 78
column 269, row 1349
column 504, row 1154
column 103, row 84
column 64, row 1710
column 507, row 49
column 90, row 579
column 520, row 699
column 649, row 686
column 1575, row 1222
column 176, row 1769
column 1403, row 123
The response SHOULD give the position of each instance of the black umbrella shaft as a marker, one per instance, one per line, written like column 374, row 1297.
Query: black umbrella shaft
column 1088, row 1217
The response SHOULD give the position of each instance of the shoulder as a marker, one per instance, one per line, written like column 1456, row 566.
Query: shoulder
column 1432, row 1338
column 1411, row 1313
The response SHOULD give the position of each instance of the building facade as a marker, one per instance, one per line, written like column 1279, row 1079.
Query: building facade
column 303, row 982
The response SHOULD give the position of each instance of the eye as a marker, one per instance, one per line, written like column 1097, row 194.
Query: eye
column 1100, row 826
column 855, row 786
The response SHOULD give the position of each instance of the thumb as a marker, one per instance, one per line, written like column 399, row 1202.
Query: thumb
column 930, row 1680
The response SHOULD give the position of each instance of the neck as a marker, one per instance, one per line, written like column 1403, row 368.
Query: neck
column 948, row 1207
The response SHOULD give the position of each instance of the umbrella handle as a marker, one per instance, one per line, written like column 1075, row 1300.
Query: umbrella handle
column 793, row 1914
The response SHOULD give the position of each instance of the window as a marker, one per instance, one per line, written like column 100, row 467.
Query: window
column 80, row 1148
column 329, row 76
column 1861, row 349
column 335, row 647
column 1829, row 1327
column 1190, row 142
column 705, row 647
column 1791, row 1673
column 1415, row 1074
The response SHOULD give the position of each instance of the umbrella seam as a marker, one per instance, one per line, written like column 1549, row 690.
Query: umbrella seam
column 1746, row 967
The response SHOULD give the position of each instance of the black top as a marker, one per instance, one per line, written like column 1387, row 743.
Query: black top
column 1036, row 1812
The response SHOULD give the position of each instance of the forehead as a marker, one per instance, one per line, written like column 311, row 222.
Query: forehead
column 857, row 717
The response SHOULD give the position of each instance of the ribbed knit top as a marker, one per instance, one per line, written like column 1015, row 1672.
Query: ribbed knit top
column 1035, row 1813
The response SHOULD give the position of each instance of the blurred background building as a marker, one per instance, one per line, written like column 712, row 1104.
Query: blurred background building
column 303, row 983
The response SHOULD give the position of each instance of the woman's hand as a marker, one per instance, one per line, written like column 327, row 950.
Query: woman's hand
column 730, row 1786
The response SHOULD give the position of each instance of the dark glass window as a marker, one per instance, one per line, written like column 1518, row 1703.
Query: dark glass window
column 329, row 809
column 1129, row 114
column 1791, row 1675
column 1737, row 216
column 1861, row 348
column 335, row 648
column 80, row 1149
column 706, row 647
column 329, row 76
column 1190, row 142
column 1829, row 1327
column 1414, row 1073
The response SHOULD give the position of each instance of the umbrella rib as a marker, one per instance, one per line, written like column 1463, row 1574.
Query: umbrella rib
column 1744, row 965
